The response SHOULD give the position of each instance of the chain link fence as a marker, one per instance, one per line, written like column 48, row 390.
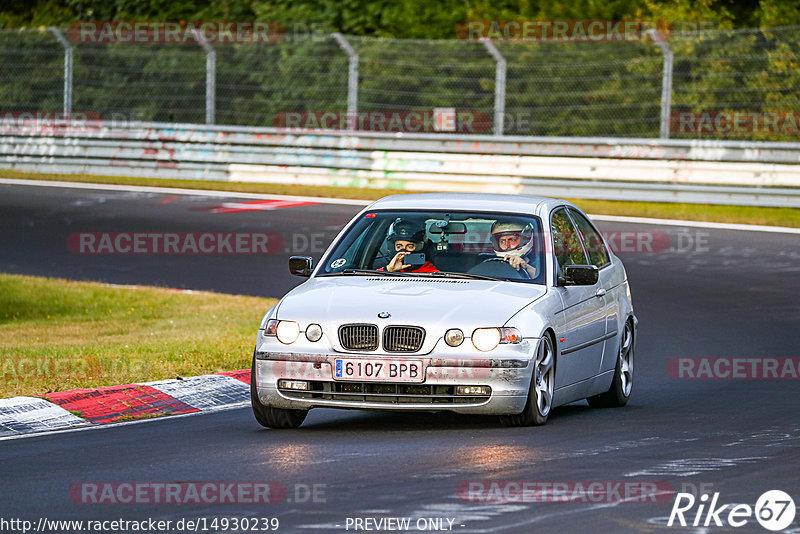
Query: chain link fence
column 741, row 85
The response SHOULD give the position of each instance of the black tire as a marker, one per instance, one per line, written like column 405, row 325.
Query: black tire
column 538, row 408
column 622, row 384
column 267, row 415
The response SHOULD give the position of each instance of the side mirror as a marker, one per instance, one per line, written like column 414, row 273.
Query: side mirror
column 301, row 265
column 581, row 275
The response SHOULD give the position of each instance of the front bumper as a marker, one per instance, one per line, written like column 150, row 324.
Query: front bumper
column 507, row 374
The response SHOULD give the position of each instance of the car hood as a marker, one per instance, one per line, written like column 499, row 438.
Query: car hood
column 436, row 304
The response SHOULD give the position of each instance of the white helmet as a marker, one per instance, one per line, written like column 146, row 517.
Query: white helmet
column 524, row 232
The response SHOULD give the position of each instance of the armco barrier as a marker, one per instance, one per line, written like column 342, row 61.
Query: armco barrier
column 729, row 172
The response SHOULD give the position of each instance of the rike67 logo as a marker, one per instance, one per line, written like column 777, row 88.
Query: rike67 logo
column 774, row 510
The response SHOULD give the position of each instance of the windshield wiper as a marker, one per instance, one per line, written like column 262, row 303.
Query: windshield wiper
column 470, row 276
column 369, row 271
column 441, row 274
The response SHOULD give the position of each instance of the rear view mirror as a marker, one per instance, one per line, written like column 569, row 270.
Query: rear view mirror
column 301, row 265
column 447, row 228
column 581, row 275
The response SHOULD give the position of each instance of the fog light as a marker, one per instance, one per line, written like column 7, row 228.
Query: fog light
column 287, row 331
column 454, row 337
column 293, row 384
column 313, row 332
column 473, row 390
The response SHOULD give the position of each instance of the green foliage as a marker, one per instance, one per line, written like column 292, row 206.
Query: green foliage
column 778, row 13
column 402, row 19
column 31, row 70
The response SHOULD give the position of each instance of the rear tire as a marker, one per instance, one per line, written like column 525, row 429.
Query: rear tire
column 540, row 392
column 621, row 386
column 267, row 415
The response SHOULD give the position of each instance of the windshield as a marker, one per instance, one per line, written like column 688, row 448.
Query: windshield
column 484, row 245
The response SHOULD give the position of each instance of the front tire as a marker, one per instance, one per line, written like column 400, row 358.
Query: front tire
column 267, row 415
column 540, row 393
column 621, row 386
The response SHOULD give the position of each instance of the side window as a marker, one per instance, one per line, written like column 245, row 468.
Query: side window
column 598, row 255
column 566, row 242
column 361, row 245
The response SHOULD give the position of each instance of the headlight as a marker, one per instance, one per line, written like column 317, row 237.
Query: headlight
column 486, row 339
column 313, row 332
column 454, row 337
column 287, row 331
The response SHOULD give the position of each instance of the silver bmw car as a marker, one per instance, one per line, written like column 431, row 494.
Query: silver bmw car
column 470, row 303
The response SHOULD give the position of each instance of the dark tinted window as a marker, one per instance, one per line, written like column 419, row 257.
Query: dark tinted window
column 598, row 255
column 566, row 242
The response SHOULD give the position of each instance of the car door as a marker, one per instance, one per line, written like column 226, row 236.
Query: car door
column 584, row 307
column 598, row 256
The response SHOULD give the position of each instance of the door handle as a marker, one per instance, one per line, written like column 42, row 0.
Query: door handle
column 600, row 292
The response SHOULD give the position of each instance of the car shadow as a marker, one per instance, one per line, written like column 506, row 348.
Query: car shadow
column 364, row 420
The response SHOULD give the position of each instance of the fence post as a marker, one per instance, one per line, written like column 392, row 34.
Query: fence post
column 499, row 87
column 666, row 82
column 211, row 77
column 67, row 68
column 352, row 79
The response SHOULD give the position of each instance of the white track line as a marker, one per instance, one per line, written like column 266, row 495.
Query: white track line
column 179, row 191
column 92, row 427
column 354, row 202
column 697, row 224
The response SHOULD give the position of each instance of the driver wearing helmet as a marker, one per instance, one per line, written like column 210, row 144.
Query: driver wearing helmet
column 513, row 242
column 406, row 238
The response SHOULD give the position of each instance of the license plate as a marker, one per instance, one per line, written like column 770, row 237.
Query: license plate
column 379, row 370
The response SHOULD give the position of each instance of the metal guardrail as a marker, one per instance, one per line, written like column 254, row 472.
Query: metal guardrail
column 629, row 148
column 729, row 172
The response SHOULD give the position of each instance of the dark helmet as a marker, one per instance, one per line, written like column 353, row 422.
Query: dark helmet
column 402, row 230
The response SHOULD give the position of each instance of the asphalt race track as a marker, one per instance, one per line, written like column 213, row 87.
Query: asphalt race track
column 712, row 293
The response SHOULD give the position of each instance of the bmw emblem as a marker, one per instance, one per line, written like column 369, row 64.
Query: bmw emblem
column 384, row 315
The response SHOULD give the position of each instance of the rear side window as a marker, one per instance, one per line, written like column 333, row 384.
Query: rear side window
column 595, row 247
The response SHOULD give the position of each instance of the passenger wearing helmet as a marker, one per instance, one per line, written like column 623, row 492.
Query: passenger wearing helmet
column 513, row 243
column 405, row 238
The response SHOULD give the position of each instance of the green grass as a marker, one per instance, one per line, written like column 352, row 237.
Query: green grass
column 695, row 212
column 662, row 210
column 239, row 187
column 57, row 335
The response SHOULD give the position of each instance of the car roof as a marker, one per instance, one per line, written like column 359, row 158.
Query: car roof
column 467, row 201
